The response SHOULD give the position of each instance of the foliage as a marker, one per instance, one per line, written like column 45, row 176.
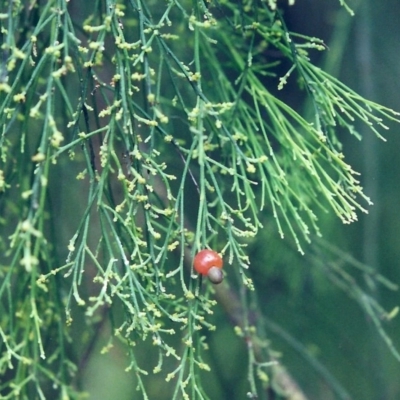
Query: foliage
column 170, row 116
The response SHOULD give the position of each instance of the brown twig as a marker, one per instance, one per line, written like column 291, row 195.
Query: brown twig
column 284, row 383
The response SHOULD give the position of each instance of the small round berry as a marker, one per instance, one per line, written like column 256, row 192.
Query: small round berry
column 205, row 259
column 215, row 275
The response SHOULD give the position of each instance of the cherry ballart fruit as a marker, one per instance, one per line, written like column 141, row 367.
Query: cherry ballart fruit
column 209, row 263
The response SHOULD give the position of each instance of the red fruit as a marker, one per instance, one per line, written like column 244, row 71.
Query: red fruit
column 205, row 259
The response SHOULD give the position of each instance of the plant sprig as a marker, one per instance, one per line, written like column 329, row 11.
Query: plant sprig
column 175, row 148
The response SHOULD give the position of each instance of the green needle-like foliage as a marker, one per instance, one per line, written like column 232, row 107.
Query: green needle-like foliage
column 170, row 116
